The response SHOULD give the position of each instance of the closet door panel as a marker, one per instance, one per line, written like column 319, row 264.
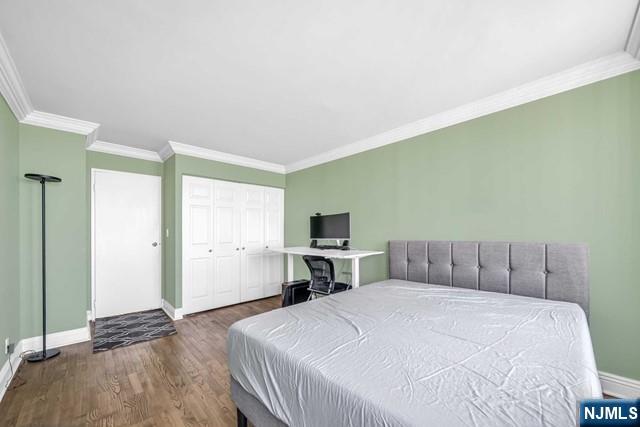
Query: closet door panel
column 274, row 217
column 253, row 285
column 225, row 283
column 226, row 253
column 197, row 244
column 201, row 277
column 252, row 231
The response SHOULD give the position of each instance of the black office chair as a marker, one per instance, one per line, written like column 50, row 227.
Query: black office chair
column 323, row 276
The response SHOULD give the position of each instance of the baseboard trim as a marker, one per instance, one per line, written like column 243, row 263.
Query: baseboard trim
column 172, row 312
column 57, row 339
column 618, row 386
column 6, row 375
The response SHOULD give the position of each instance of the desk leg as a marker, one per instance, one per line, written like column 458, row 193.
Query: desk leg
column 289, row 268
column 355, row 272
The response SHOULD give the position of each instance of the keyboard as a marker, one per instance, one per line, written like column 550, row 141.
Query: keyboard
column 340, row 247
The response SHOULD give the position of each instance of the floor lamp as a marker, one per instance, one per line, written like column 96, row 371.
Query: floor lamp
column 53, row 352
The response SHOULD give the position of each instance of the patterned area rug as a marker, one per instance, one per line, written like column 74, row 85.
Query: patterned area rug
column 126, row 329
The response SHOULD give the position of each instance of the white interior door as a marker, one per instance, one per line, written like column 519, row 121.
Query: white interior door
column 126, row 242
column 197, row 247
column 226, row 250
column 252, row 240
column 273, row 271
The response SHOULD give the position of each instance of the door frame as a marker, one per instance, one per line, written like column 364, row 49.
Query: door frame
column 93, row 234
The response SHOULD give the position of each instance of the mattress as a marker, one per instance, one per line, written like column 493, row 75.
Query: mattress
column 398, row 353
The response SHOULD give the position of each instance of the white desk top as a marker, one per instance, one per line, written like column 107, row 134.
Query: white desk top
column 327, row 253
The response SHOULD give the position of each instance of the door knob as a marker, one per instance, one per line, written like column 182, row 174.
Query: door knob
column 243, row 248
column 154, row 244
column 237, row 249
column 210, row 250
column 267, row 247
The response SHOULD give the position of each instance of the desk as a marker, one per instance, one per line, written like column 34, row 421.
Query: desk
column 352, row 254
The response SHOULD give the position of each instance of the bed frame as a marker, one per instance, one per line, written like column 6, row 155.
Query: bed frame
column 555, row 271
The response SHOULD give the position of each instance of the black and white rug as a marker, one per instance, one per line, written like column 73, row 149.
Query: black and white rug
column 126, row 329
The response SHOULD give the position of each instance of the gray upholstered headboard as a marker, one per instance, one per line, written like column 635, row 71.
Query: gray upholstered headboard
column 555, row 271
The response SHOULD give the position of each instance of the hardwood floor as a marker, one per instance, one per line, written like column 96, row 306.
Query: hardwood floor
column 181, row 380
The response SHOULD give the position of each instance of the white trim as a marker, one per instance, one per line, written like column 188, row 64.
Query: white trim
column 172, row 312
column 91, row 138
column 6, row 374
column 591, row 72
column 17, row 98
column 11, row 85
column 619, row 386
column 92, row 302
column 219, row 156
column 124, row 150
column 63, row 123
column 166, row 152
column 57, row 339
column 633, row 41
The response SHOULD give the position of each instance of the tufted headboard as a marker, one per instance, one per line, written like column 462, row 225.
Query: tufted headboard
column 555, row 271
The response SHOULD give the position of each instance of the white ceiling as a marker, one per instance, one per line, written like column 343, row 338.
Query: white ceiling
column 281, row 81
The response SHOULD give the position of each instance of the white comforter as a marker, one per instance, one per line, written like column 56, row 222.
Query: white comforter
column 399, row 353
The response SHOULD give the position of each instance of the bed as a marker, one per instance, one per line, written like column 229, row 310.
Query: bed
column 463, row 333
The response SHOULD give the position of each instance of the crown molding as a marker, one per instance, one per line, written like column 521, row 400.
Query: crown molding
column 591, row 72
column 13, row 91
column 15, row 94
column 54, row 121
column 219, row 156
column 91, row 138
column 166, row 152
column 633, row 41
column 124, row 150
column 11, row 85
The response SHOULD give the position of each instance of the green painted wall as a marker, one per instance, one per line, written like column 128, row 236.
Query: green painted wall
column 120, row 163
column 9, row 236
column 169, row 223
column 565, row 168
column 61, row 154
column 174, row 168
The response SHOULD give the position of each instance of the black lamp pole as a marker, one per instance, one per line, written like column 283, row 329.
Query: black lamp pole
column 53, row 352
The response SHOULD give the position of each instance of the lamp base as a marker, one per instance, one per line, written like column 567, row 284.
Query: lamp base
column 40, row 356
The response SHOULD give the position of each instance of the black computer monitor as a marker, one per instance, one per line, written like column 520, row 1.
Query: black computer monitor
column 335, row 227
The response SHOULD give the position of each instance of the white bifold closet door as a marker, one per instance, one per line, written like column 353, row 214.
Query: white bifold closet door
column 227, row 231
column 225, row 286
